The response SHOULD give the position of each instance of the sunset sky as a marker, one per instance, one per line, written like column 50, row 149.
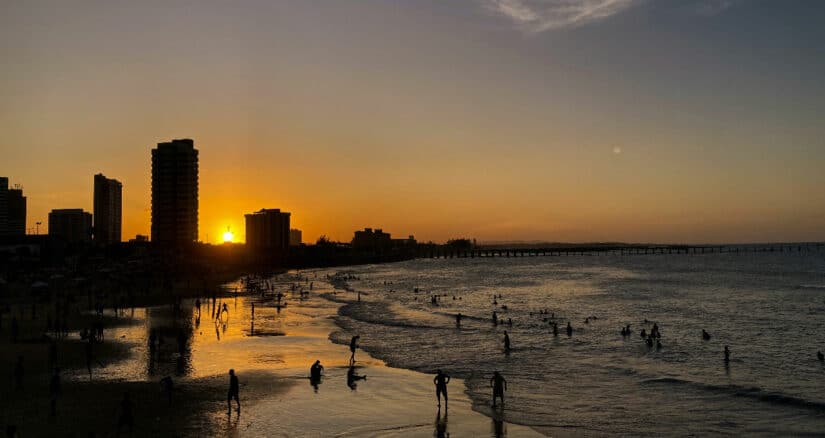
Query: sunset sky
column 562, row 120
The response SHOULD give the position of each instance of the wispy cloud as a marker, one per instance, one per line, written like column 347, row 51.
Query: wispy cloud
column 714, row 7
column 535, row 16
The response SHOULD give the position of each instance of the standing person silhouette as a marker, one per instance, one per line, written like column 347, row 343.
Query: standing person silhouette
column 234, row 390
column 441, row 380
column 315, row 371
column 506, row 342
column 499, row 385
column 126, row 418
column 353, row 344
column 18, row 374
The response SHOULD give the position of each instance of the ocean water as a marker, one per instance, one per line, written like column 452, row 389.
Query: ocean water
column 769, row 308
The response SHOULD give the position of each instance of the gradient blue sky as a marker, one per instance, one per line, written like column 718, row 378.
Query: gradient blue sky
column 570, row 120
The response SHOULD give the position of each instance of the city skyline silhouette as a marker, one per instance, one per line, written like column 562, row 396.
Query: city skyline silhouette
column 647, row 122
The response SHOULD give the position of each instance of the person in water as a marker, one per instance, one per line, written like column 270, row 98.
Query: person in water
column 820, row 356
column 705, row 335
column 441, row 380
column 727, row 355
column 569, row 329
column 499, row 385
column 315, row 370
column 234, row 393
column 506, row 342
column 555, row 329
column 495, row 318
column 458, row 320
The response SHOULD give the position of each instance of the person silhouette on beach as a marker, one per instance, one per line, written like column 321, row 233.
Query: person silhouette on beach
column 555, row 329
column 89, row 356
column 820, row 356
column 353, row 344
column 569, row 329
column 54, row 384
column 727, row 355
column 15, row 330
column 506, row 342
column 441, row 380
column 168, row 387
column 499, row 385
column 125, row 418
column 18, row 374
column 352, row 378
column 458, row 319
column 495, row 318
column 705, row 335
column 234, row 393
column 316, row 370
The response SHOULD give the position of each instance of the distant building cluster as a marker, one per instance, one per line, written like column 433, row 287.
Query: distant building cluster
column 12, row 209
column 378, row 241
column 174, row 212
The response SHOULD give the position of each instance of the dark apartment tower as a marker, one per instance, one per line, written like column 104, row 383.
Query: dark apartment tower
column 175, row 193
column 107, row 210
column 12, row 210
column 268, row 229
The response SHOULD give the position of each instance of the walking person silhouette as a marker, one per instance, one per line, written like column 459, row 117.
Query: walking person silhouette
column 353, row 344
column 499, row 385
column 441, row 380
column 234, row 390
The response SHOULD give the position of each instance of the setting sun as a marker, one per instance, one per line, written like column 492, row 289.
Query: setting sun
column 228, row 236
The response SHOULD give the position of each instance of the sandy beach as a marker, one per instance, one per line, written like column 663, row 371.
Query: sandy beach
column 271, row 354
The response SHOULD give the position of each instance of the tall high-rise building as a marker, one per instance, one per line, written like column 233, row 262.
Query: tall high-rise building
column 12, row 209
column 175, row 193
column 71, row 224
column 268, row 229
column 107, row 210
column 4, row 205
